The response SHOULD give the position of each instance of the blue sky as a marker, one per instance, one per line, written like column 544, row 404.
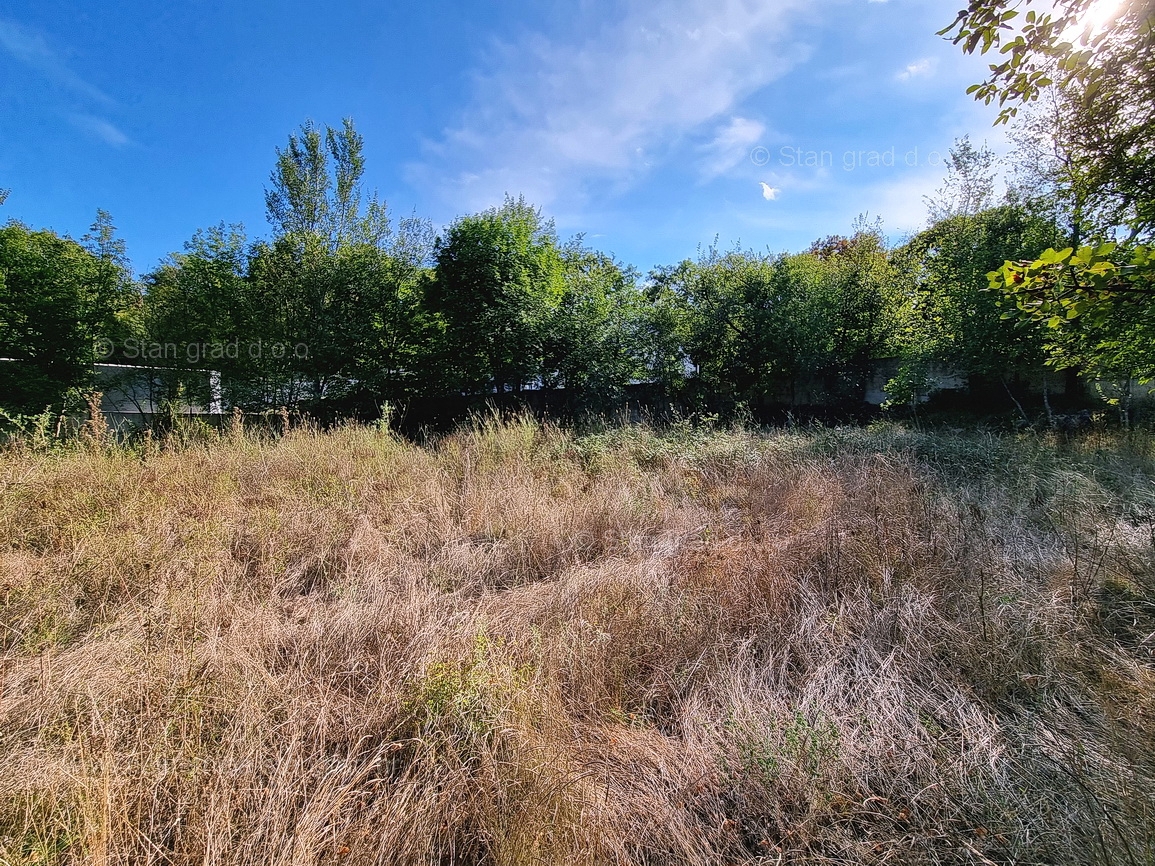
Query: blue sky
column 651, row 126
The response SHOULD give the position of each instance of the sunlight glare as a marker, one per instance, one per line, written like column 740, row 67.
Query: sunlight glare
column 1099, row 16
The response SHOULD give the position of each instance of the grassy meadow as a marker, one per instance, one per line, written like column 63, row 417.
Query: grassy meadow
column 519, row 645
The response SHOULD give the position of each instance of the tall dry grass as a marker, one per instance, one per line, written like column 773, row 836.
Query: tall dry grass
column 519, row 646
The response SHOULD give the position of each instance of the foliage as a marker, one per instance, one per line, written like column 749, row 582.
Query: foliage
column 324, row 315
column 759, row 328
column 968, row 187
column 498, row 282
column 1049, row 46
column 390, row 331
column 949, row 321
column 597, row 341
column 339, row 313
column 1096, row 303
column 197, row 298
column 57, row 298
column 1098, row 64
column 311, row 198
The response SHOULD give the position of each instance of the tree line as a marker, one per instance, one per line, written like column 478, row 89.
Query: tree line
column 343, row 309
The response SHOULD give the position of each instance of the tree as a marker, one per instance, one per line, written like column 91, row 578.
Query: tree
column 349, row 320
column 56, row 301
column 198, row 304
column 111, row 287
column 852, row 298
column 732, row 314
column 1073, row 44
column 345, row 286
column 596, row 343
column 948, row 320
column 1099, row 64
column 313, row 197
column 969, row 184
column 498, row 280
column 758, row 328
column 325, row 316
column 390, row 357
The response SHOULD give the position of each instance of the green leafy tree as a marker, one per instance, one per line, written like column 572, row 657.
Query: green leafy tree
column 498, row 281
column 968, row 188
column 325, row 316
column 298, row 284
column 948, row 321
column 345, row 286
column 394, row 332
column 852, row 307
column 1068, row 43
column 57, row 300
column 762, row 329
column 728, row 312
column 666, row 327
column 112, row 289
column 197, row 311
column 1097, row 63
column 1097, row 306
column 350, row 320
column 317, row 190
column 596, row 343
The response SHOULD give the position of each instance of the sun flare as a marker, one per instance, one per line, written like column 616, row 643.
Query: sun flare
column 1098, row 17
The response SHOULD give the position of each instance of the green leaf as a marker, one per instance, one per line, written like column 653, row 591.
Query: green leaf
column 1054, row 257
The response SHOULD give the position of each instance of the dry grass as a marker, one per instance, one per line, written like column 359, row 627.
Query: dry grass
column 520, row 646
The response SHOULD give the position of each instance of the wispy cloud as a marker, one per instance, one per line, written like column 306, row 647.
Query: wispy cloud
column 101, row 129
column 921, row 67
column 34, row 51
column 550, row 117
column 731, row 145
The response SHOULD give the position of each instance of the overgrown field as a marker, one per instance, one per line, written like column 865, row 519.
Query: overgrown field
column 521, row 646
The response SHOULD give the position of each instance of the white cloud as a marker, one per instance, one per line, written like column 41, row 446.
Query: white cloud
column 34, row 51
column 731, row 145
column 102, row 129
column 769, row 193
column 923, row 66
column 550, row 117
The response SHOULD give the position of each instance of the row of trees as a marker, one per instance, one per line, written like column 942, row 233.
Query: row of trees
column 342, row 309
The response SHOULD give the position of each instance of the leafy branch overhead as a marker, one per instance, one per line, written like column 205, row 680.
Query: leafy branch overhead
column 1047, row 46
column 1094, row 60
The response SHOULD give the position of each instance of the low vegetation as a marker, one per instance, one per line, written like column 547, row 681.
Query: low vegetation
column 518, row 645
